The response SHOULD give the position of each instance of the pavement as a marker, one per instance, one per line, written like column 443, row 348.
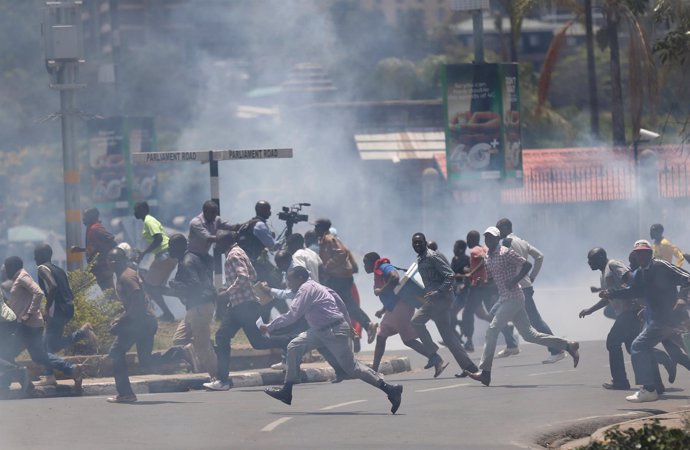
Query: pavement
column 182, row 382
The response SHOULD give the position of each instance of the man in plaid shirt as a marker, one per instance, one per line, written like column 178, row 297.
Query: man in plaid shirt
column 507, row 268
column 243, row 309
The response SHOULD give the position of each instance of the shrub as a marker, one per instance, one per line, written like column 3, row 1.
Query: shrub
column 650, row 436
column 98, row 309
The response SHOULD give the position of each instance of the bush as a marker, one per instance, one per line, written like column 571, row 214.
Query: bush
column 97, row 309
column 650, row 436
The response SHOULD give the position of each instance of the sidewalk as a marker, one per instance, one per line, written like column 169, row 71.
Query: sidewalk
column 676, row 419
column 150, row 384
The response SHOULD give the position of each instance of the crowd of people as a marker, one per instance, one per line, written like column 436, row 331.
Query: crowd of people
column 311, row 285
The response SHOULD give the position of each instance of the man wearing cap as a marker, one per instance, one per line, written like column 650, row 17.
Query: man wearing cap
column 507, row 268
column 656, row 282
column 525, row 249
column 438, row 279
column 338, row 269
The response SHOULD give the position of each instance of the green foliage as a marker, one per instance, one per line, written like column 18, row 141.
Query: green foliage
column 98, row 310
column 650, row 436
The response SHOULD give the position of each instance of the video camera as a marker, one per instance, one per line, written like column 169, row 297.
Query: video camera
column 291, row 215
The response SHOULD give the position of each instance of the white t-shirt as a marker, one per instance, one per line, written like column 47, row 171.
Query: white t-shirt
column 308, row 259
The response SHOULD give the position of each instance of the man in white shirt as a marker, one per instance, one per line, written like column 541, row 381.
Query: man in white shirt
column 304, row 257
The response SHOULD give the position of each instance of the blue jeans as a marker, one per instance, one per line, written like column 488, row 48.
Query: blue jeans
column 242, row 316
column 535, row 318
column 54, row 339
column 31, row 339
column 642, row 352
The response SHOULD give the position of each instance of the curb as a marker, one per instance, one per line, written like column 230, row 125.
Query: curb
column 183, row 383
column 598, row 435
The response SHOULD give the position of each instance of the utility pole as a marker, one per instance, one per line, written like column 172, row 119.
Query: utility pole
column 64, row 50
column 477, row 8
column 591, row 72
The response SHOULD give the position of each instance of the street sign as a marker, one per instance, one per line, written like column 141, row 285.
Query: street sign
column 204, row 156
column 469, row 5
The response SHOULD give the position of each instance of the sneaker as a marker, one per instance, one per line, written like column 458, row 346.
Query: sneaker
column 554, row 358
column 48, row 380
column 90, row 337
column 217, row 385
column 642, row 396
column 189, row 356
column 122, row 399
column 508, row 351
column 280, row 394
column 371, row 332
column 279, row 366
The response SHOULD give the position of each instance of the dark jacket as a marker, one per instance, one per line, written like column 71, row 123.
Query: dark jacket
column 193, row 283
column 657, row 286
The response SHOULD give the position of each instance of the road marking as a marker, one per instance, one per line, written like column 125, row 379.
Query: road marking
column 549, row 373
column 327, row 408
column 273, row 425
column 452, row 386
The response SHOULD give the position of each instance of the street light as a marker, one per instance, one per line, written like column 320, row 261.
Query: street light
column 643, row 135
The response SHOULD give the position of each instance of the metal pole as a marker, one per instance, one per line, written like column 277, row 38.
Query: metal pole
column 67, row 78
column 591, row 72
column 478, row 36
column 215, row 196
column 638, row 190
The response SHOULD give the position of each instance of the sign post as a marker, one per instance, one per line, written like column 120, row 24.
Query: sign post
column 212, row 157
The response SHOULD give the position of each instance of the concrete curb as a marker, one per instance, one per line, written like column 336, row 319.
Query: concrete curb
column 154, row 384
column 670, row 420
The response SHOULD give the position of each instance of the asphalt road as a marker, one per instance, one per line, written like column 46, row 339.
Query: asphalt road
column 527, row 399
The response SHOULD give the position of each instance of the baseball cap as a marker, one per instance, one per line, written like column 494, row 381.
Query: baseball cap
column 493, row 231
column 642, row 244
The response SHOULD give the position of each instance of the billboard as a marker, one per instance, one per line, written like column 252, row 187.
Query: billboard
column 482, row 123
column 114, row 181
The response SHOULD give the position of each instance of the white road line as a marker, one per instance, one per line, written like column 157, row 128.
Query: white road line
column 452, row 386
column 272, row 426
column 328, row 408
column 549, row 373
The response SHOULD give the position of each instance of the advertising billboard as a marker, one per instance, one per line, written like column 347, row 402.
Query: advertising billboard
column 482, row 123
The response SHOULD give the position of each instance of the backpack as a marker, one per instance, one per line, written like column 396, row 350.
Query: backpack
column 251, row 245
column 62, row 297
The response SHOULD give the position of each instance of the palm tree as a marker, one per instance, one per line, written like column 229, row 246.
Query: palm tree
column 642, row 70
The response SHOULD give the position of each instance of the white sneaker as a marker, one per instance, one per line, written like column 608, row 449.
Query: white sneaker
column 278, row 366
column 554, row 358
column 48, row 380
column 508, row 351
column 217, row 385
column 642, row 396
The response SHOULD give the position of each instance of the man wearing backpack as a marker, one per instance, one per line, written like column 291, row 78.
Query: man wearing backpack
column 339, row 266
column 396, row 313
column 256, row 239
column 59, row 309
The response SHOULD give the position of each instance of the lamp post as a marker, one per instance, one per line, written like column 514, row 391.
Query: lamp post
column 643, row 136
column 62, row 33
